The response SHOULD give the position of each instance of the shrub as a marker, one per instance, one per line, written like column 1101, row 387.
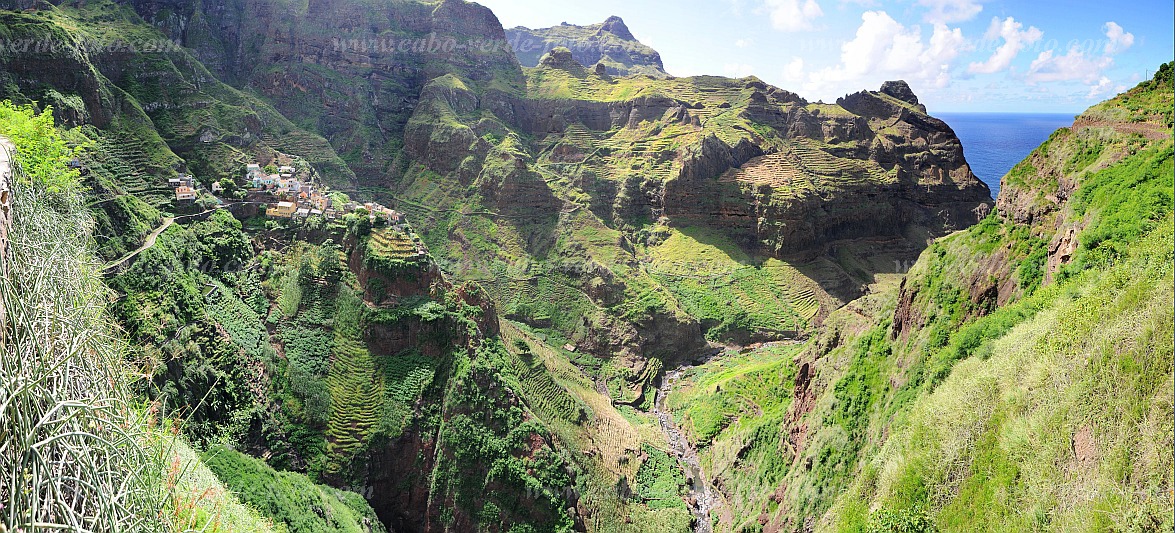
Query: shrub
column 912, row 520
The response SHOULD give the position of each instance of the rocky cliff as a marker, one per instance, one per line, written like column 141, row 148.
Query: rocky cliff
column 618, row 225
column 355, row 83
column 608, row 45
column 464, row 139
column 838, row 191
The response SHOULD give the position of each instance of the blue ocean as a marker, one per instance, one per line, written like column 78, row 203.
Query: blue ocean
column 994, row 142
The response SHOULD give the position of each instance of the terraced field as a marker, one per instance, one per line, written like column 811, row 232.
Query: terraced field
column 578, row 135
column 120, row 160
column 801, row 168
column 406, row 377
column 606, row 433
column 391, row 243
column 542, row 392
column 356, row 392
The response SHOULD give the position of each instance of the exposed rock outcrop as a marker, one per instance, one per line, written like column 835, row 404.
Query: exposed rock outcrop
column 610, row 46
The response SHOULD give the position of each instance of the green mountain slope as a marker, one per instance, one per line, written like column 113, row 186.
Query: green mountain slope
column 1018, row 377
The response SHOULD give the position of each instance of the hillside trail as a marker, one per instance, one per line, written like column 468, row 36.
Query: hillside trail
column 151, row 238
column 149, row 242
column 701, row 497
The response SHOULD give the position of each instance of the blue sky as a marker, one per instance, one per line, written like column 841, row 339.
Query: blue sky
column 958, row 55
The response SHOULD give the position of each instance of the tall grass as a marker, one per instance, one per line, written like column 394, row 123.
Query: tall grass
column 76, row 452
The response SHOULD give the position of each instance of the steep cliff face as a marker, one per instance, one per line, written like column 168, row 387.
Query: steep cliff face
column 148, row 98
column 465, row 141
column 467, row 449
column 619, row 225
column 609, row 43
column 838, row 191
column 873, row 166
column 352, row 71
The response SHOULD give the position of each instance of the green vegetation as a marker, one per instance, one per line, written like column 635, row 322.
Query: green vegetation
column 79, row 449
column 290, row 499
column 736, row 297
column 86, row 451
column 995, row 388
column 991, row 407
column 1017, row 379
column 659, row 481
column 43, row 153
column 1124, row 203
column 1078, row 388
column 183, row 303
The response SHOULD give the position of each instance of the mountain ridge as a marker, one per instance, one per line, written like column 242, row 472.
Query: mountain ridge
column 609, row 43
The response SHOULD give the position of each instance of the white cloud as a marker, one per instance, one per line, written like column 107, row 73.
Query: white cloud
column 1119, row 39
column 794, row 71
column 1077, row 65
column 743, row 43
column 644, row 39
column 884, row 49
column 1105, row 87
column 793, row 15
column 1015, row 40
column 948, row 11
column 738, row 70
column 1074, row 65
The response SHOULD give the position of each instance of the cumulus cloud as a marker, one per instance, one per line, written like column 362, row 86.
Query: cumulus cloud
column 1103, row 88
column 1078, row 65
column 1119, row 39
column 793, row 15
column 742, row 43
column 948, row 11
column 1074, row 65
column 885, row 49
column 1015, row 39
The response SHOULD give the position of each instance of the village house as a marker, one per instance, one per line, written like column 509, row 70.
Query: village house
column 319, row 201
column 184, row 193
column 184, row 180
column 252, row 170
column 286, row 171
column 217, row 187
column 265, row 181
column 282, row 210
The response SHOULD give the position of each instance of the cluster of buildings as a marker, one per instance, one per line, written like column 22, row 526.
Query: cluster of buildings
column 184, row 187
column 294, row 198
column 298, row 199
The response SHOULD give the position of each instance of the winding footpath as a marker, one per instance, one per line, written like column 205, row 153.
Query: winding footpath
column 701, row 497
column 149, row 242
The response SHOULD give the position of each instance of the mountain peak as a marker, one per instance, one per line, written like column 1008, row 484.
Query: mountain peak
column 615, row 25
column 609, row 42
column 901, row 90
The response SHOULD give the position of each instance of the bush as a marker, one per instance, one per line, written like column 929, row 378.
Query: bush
column 912, row 520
